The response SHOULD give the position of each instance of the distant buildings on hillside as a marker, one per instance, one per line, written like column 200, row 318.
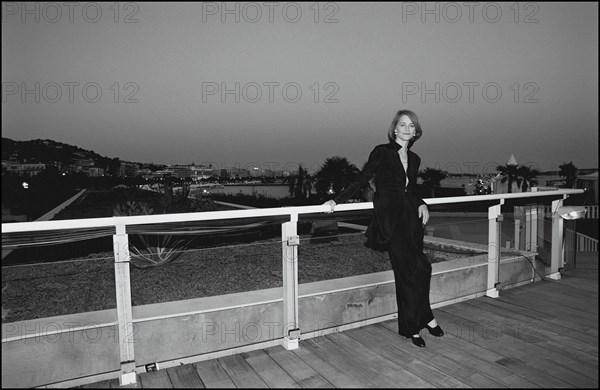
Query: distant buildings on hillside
column 79, row 164
column 86, row 166
column 22, row 169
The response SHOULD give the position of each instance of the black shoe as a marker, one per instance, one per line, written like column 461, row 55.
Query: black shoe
column 437, row 331
column 418, row 341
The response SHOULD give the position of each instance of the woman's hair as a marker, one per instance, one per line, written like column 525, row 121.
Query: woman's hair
column 415, row 121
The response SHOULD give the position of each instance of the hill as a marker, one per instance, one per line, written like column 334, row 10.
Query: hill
column 48, row 152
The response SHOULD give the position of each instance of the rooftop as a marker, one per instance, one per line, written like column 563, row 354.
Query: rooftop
column 543, row 334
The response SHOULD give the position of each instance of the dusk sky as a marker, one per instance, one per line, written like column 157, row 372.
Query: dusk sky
column 158, row 82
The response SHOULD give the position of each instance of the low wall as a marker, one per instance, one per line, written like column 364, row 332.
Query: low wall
column 89, row 351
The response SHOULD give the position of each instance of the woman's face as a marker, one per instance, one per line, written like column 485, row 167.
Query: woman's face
column 405, row 129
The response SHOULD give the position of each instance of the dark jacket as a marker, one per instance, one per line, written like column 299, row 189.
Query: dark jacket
column 391, row 193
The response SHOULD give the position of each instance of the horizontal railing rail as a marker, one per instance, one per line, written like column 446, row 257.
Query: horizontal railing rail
column 266, row 212
column 290, row 242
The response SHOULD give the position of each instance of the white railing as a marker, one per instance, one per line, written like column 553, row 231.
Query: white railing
column 290, row 242
column 592, row 212
column 580, row 242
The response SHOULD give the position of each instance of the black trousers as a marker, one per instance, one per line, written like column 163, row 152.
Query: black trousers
column 412, row 273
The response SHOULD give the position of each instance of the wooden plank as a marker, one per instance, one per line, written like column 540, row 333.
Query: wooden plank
column 386, row 348
column 489, row 334
column 212, row 374
column 378, row 363
column 541, row 378
column 480, row 352
column 560, row 290
column 295, row 367
column 566, row 322
column 483, row 351
column 590, row 285
column 184, row 376
column 502, row 323
column 439, row 355
column 521, row 329
column 268, row 370
column 484, row 358
column 155, row 380
column 566, row 374
column 584, row 268
column 332, row 374
column 562, row 337
column 535, row 298
column 525, row 314
column 391, row 325
column 240, row 372
column 580, row 304
column 498, row 356
column 576, row 302
column 327, row 351
column 105, row 384
column 565, row 288
column 552, row 306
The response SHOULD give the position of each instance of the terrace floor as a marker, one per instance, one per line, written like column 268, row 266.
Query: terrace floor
column 538, row 335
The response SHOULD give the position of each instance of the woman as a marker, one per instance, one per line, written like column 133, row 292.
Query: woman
column 397, row 224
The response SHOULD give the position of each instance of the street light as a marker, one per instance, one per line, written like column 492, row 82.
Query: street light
column 572, row 213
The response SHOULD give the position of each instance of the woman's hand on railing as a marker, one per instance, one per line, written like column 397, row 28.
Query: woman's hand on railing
column 424, row 213
column 331, row 203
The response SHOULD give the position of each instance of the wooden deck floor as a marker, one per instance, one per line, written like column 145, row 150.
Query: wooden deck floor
column 539, row 335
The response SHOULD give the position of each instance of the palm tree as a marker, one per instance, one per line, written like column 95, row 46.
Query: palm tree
column 569, row 171
column 509, row 172
column 527, row 177
column 300, row 185
column 334, row 176
column 432, row 178
column 307, row 184
column 291, row 182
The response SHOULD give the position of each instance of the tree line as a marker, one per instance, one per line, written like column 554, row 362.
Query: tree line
column 337, row 173
column 526, row 177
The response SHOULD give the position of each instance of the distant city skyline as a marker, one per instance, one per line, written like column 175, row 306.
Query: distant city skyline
column 291, row 168
column 276, row 85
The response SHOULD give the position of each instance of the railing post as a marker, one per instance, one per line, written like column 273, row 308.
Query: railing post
column 290, row 242
column 124, row 312
column 558, row 244
column 517, row 234
column 494, row 244
column 531, row 224
column 519, row 216
column 540, row 225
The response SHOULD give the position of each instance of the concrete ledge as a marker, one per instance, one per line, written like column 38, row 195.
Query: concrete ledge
column 204, row 328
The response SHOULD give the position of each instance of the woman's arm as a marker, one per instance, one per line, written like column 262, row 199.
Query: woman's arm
column 423, row 211
column 367, row 173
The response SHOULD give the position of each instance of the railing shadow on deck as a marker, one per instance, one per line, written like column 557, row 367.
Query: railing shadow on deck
column 130, row 339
